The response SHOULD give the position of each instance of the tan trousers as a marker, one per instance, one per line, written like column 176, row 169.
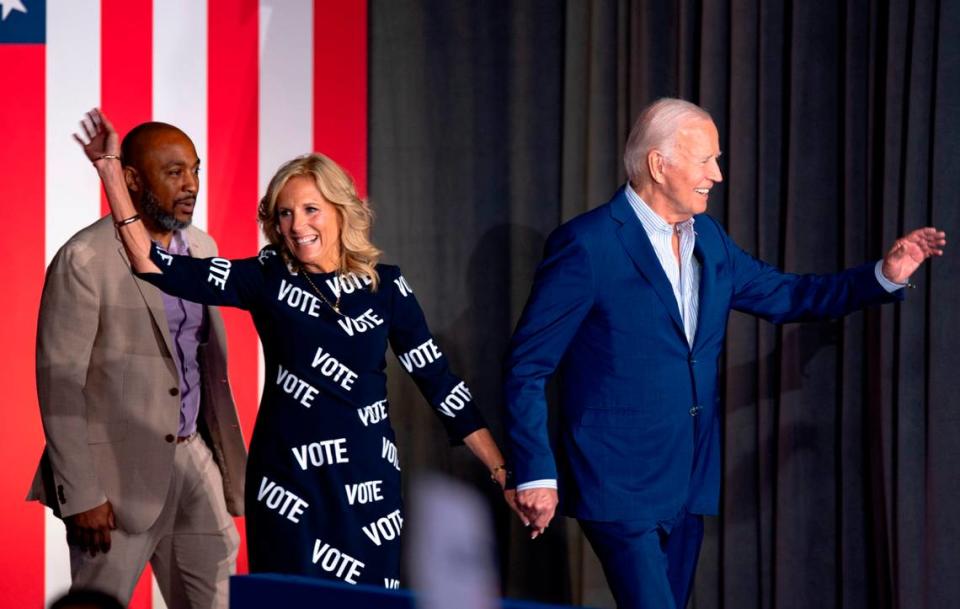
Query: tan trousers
column 192, row 546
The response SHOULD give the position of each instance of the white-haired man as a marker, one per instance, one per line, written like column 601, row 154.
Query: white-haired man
column 632, row 303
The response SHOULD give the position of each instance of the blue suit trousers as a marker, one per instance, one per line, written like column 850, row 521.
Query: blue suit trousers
column 648, row 565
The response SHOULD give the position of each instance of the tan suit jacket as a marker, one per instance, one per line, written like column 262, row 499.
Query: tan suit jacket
column 109, row 389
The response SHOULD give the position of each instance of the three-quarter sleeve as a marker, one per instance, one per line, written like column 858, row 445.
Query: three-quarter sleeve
column 210, row 281
column 421, row 357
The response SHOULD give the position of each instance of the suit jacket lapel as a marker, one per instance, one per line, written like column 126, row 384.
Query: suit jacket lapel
column 635, row 241
column 197, row 247
column 153, row 300
column 707, row 280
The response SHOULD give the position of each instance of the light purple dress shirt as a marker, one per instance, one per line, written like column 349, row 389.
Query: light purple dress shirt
column 188, row 328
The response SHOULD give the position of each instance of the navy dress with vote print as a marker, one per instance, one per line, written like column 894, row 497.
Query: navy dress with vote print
column 323, row 477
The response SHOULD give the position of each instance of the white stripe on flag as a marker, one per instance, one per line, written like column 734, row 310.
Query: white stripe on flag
column 286, row 83
column 155, row 595
column 56, row 557
column 72, row 88
column 180, row 95
column 180, row 76
column 72, row 187
column 286, row 91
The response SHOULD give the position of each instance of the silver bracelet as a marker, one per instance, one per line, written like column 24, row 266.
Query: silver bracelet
column 125, row 221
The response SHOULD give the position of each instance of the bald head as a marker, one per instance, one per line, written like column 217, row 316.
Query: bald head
column 147, row 136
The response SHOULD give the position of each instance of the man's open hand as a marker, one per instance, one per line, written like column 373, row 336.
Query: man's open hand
column 909, row 252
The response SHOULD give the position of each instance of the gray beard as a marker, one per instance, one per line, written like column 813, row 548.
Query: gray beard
column 150, row 207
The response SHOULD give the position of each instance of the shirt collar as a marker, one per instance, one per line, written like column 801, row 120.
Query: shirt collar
column 651, row 221
column 178, row 244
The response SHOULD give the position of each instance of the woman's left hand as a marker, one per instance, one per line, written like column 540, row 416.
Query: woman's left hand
column 483, row 446
column 510, row 496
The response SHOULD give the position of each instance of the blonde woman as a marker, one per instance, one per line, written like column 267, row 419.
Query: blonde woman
column 323, row 479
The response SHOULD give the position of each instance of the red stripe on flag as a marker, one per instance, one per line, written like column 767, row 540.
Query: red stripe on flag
column 22, row 256
column 126, row 64
column 126, row 90
column 340, row 84
column 143, row 594
column 232, row 90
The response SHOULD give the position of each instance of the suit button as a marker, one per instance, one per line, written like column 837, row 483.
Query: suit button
column 170, row 438
column 693, row 361
column 174, row 391
column 695, row 410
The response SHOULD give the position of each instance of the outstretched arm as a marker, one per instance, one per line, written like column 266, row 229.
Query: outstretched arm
column 763, row 290
column 910, row 251
column 448, row 395
column 102, row 146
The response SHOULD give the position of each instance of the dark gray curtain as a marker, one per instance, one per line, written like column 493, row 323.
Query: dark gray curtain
column 492, row 121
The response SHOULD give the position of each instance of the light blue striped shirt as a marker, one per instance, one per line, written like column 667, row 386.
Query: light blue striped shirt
column 684, row 276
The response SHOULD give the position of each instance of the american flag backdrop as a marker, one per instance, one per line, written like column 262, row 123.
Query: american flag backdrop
column 253, row 82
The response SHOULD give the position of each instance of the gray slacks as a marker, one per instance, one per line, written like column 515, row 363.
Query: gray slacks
column 192, row 546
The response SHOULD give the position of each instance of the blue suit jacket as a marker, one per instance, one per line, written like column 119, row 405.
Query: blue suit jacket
column 640, row 426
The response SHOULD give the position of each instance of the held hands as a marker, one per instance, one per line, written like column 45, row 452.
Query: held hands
column 90, row 530
column 909, row 252
column 536, row 508
column 509, row 494
column 99, row 138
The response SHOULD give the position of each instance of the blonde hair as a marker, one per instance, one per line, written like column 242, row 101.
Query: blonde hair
column 656, row 128
column 357, row 254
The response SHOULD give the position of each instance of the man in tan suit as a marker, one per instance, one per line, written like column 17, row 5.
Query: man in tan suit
column 144, row 458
